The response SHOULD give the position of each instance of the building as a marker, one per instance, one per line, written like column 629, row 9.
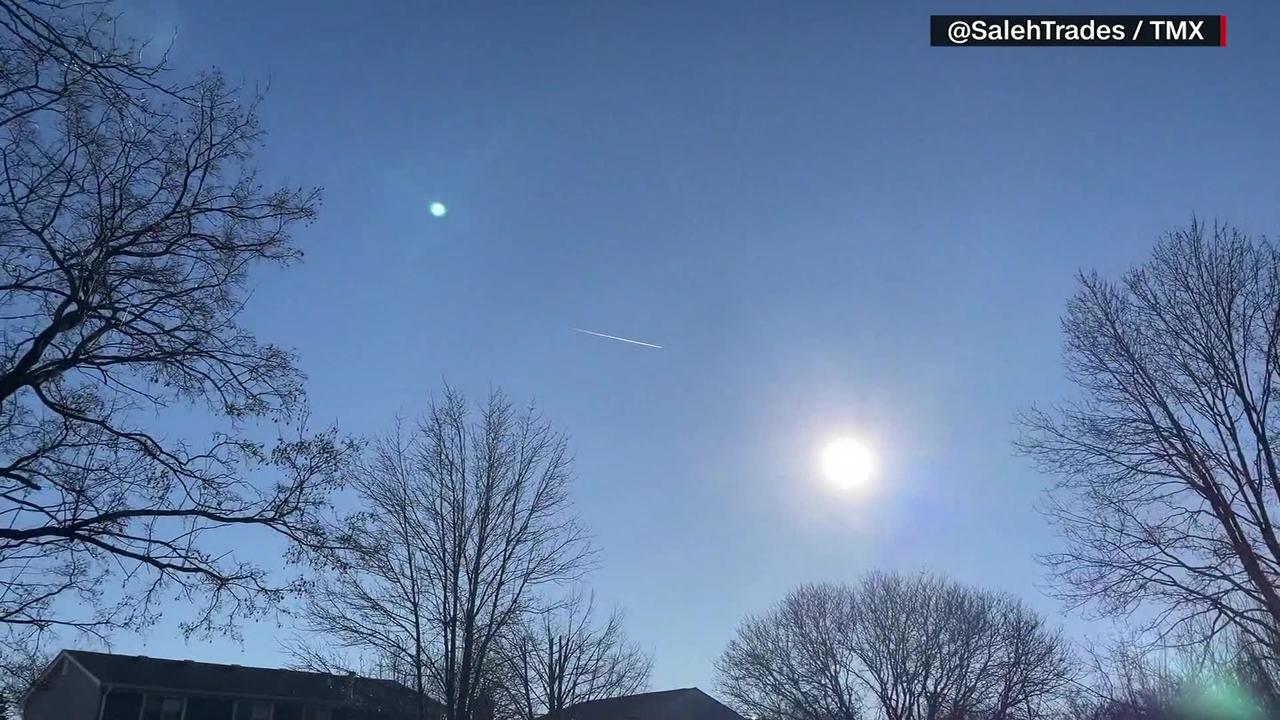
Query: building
column 80, row 685
column 682, row 704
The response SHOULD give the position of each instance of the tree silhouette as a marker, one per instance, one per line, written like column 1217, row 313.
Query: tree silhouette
column 464, row 519
column 130, row 219
column 1168, row 472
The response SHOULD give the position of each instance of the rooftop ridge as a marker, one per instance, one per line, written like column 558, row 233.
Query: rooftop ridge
column 687, row 703
column 634, row 695
column 225, row 665
column 194, row 677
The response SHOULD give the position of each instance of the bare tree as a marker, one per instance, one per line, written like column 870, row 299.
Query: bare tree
column 918, row 648
column 375, row 598
column 1168, row 478
column 1122, row 683
column 130, row 218
column 465, row 520
column 560, row 657
column 932, row 648
column 20, row 666
column 796, row 662
column 314, row 657
column 1129, row 679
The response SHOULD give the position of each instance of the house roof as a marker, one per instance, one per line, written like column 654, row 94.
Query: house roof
column 192, row 677
column 682, row 704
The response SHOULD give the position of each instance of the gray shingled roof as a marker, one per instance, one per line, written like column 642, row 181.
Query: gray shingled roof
column 682, row 704
column 208, row 678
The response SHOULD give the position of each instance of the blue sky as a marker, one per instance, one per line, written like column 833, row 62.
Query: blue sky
column 830, row 226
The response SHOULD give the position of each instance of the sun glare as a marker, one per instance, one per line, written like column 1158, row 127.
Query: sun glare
column 847, row 463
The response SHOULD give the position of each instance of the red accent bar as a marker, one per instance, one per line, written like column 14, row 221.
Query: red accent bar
column 1222, row 31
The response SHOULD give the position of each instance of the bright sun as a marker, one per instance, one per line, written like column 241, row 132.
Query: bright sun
column 847, row 463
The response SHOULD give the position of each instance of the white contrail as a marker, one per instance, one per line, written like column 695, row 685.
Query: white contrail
column 619, row 339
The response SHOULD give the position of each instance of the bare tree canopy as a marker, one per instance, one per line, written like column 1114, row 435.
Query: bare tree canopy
column 561, row 656
column 374, row 598
column 933, row 648
column 1167, row 465
column 796, row 662
column 1129, row 680
column 903, row 648
column 20, row 666
column 130, row 218
column 464, row 520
